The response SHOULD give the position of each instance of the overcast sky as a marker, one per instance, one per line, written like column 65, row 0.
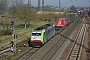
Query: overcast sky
column 64, row 3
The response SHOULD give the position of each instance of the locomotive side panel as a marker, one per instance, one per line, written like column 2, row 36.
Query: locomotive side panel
column 50, row 32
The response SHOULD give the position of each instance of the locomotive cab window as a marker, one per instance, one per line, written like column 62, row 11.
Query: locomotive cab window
column 36, row 34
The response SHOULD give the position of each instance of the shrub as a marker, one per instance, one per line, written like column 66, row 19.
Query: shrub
column 5, row 32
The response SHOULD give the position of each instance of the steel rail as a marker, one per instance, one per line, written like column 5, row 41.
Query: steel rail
column 77, row 43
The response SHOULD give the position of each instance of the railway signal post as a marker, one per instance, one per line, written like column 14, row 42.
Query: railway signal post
column 14, row 36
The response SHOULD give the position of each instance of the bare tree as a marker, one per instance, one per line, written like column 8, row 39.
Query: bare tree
column 29, row 3
column 38, row 4
column 14, row 5
column 26, row 13
column 23, row 11
column 42, row 4
column 3, row 6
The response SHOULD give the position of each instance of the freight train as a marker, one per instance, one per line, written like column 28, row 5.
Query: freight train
column 43, row 34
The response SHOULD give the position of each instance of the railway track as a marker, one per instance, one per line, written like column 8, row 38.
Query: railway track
column 7, row 49
column 76, row 49
column 27, row 54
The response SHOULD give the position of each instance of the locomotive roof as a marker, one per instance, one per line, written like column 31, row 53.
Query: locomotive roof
column 43, row 27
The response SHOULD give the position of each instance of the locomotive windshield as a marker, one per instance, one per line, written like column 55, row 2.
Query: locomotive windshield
column 36, row 34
